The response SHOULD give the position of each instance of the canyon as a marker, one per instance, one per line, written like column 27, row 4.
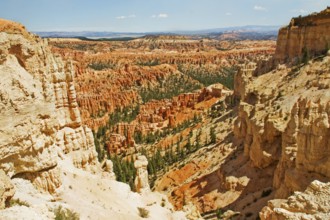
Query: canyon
column 48, row 156
column 195, row 128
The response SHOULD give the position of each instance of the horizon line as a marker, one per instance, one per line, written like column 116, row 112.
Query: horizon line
column 162, row 31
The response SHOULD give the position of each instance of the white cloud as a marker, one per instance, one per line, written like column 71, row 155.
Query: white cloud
column 228, row 14
column 259, row 8
column 161, row 15
column 121, row 17
column 124, row 17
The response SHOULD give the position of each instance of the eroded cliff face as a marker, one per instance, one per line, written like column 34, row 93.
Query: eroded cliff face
column 48, row 160
column 283, row 123
column 283, row 119
column 39, row 112
column 305, row 35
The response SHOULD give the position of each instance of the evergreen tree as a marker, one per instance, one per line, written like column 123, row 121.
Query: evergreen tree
column 213, row 136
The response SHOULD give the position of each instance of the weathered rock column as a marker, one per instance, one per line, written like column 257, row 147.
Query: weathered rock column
column 141, row 181
column 108, row 173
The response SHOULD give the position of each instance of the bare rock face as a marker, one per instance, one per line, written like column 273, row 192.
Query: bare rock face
column 304, row 35
column 141, row 180
column 283, row 124
column 39, row 114
column 192, row 211
column 7, row 190
column 313, row 203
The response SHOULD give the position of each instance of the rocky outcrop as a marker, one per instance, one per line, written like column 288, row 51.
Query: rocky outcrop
column 290, row 127
column 7, row 190
column 192, row 211
column 305, row 148
column 141, row 180
column 108, row 173
column 283, row 123
column 313, row 203
column 39, row 112
column 304, row 36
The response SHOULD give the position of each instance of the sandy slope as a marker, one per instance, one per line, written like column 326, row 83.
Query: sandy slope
column 92, row 196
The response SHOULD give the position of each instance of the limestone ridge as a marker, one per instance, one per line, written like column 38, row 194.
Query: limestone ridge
column 39, row 115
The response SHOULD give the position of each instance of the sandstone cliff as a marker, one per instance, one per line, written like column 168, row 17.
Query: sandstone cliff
column 46, row 155
column 303, row 36
column 283, row 123
column 39, row 111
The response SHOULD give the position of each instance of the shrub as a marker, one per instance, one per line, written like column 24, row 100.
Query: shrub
column 14, row 202
column 65, row 214
column 219, row 213
column 306, row 56
column 163, row 203
column 144, row 213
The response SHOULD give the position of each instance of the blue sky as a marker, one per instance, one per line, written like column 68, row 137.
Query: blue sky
column 152, row 15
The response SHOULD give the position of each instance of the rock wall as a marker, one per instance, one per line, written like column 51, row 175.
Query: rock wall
column 310, row 33
column 39, row 115
column 305, row 148
column 283, row 123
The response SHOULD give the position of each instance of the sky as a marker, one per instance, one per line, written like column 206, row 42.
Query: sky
column 152, row 15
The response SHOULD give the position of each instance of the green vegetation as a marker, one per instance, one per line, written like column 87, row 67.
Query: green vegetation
column 101, row 66
column 306, row 56
column 18, row 202
column 82, row 47
column 169, row 87
column 124, row 170
column 144, row 213
column 219, row 213
column 127, row 114
column 152, row 138
column 225, row 75
column 159, row 161
column 65, row 214
column 213, row 136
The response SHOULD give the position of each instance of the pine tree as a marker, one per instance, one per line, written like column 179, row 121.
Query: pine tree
column 213, row 136
column 188, row 146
